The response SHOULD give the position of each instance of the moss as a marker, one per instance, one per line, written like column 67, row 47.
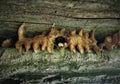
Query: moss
column 31, row 66
column 29, row 75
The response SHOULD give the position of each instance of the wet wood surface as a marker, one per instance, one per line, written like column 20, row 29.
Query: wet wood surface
column 39, row 15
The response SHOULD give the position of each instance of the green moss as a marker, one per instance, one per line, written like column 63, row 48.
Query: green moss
column 29, row 75
column 86, row 65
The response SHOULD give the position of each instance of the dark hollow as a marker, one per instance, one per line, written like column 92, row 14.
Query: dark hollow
column 58, row 40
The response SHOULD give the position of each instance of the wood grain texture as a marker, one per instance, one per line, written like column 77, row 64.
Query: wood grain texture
column 39, row 15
